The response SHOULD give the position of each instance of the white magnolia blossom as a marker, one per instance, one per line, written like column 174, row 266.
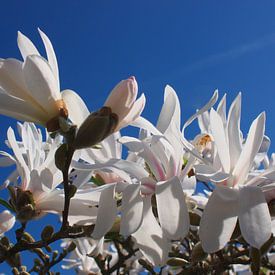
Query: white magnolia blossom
column 34, row 160
column 30, row 90
column 79, row 259
column 236, row 196
column 149, row 195
column 160, row 156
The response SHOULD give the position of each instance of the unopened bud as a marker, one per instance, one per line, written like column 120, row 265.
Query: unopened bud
column 198, row 253
column 95, row 128
column 47, row 233
column 37, row 262
column 15, row 271
column 55, row 254
column 177, row 262
column 28, row 237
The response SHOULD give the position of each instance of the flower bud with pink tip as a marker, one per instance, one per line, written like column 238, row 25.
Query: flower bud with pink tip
column 120, row 109
column 124, row 103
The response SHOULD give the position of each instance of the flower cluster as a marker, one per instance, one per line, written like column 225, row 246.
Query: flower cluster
column 170, row 202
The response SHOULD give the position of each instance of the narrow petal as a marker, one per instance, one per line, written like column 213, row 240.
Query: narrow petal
column 219, row 219
column 254, row 217
column 170, row 111
column 50, row 55
column 220, row 140
column 77, row 109
column 150, row 238
column 172, row 209
column 106, row 213
column 143, row 123
column 250, row 149
column 233, row 131
column 25, row 46
column 41, row 82
column 221, row 109
column 21, row 164
column 132, row 210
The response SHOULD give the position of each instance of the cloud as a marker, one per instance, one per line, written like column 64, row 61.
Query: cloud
column 231, row 53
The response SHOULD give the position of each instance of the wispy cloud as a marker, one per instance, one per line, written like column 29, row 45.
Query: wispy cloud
column 231, row 53
column 220, row 57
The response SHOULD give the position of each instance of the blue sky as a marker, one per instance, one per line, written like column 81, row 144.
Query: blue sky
column 195, row 46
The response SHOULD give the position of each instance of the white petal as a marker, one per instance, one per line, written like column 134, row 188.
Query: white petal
column 254, row 217
column 6, row 159
column 134, row 112
column 220, row 140
column 203, row 121
column 219, row 219
column 172, row 209
column 41, row 82
column 127, row 166
column 77, row 109
column 199, row 112
column 7, row 221
column 221, row 109
column 150, row 238
column 25, row 45
column 132, row 210
column 19, row 109
column 208, row 173
column 50, row 55
column 133, row 144
column 143, row 123
column 233, row 130
column 250, row 149
column 12, row 79
column 170, row 111
column 22, row 167
column 106, row 213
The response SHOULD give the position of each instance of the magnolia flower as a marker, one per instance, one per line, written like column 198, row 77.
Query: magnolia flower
column 7, row 221
column 30, row 90
column 165, row 180
column 79, row 258
column 37, row 192
column 236, row 196
column 120, row 109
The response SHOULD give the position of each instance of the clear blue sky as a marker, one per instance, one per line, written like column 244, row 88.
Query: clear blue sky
column 195, row 46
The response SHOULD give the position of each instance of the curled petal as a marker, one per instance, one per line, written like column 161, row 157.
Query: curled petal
column 132, row 210
column 219, row 219
column 255, row 220
column 172, row 209
column 106, row 212
column 150, row 238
